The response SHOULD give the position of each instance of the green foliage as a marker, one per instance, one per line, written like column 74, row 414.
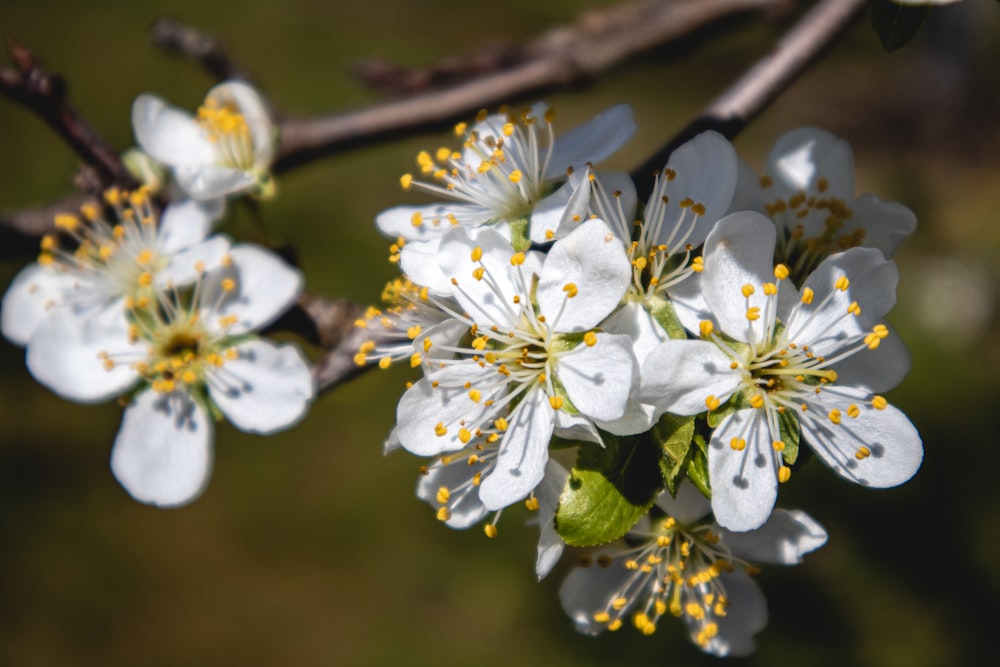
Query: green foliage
column 673, row 435
column 697, row 467
column 789, row 425
column 609, row 489
column 896, row 24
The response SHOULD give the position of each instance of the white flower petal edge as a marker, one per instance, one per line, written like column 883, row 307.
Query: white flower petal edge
column 593, row 141
column 266, row 288
column 267, row 388
column 744, row 481
column 679, row 375
column 163, row 452
column 782, row 540
column 168, row 134
column 550, row 544
column 32, row 296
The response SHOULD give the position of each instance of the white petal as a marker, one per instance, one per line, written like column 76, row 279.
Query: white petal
column 689, row 302
column 163, row 452
column 634, row 321
column 550, row 544
column 825, row 322
column 689, row 505
column 876, row 370
column 32, row 296
column 464, row 506
column 184, row 264
column 599, row 378
column 803, row 156
column 746, row 615
column 558, row 214
column 267, row 388
column 208, row 181
column 589, row 590
column 895, row 446
column 170, row 135
column 615, row 200
column 739, row 251
column 744, row 483
column 424, row 406
column 782, row 540
column 250, row 105
column 523, row 453
column 593, row 141
column 593, row 259
column 576, row 427
column 679, row 375
column 489, row 300
column 639, row 417
column 265, row 288
column 887, row 223
column 63, row 355
column 419, row 260
column 749, row 196
column 398, row 221
column 706, row 170
column 187, row 222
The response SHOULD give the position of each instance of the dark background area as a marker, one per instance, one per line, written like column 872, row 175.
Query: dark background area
column 309, row 548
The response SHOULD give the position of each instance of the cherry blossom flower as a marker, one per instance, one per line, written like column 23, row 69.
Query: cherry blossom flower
column 788, row 362
column 678, row 561
column 193, row 357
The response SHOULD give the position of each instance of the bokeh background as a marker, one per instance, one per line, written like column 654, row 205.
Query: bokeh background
column 308, row 548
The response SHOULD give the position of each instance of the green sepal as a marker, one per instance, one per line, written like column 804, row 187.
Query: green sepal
column 788, row 424
column 609, row 489
column 673, row 434
column 896, row 24
column 715, row 417
column 663, row 312
column 697, row 467
column 519, row 235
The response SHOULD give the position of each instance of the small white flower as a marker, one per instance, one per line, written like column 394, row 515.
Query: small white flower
column 505, row 173
column 815, row 358
column 686, row 565
column 533, row 352
column 226, row 149
column 109, row 261
column 195, row 355
column 808, row 191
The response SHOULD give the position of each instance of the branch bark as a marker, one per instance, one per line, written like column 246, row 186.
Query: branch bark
column 763, row 83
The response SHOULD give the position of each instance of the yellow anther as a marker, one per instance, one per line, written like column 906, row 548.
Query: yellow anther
column 478, row 273
column 834, row 416
column 515, row 176
column 770, row 289
column 475, row 395
column 490, row 530
column 406, row 180
column 738, row 444
column 698, row 209
column 443, row 495
column 781, row 272
column 705, row 327
column 556, row 402
column 417, row 219
column 228, row 284
column 500, row 424
column 460, row 129
column 385, row 362
column 712, row 402
column 778, row 445
column 862, row 453
column 619, row 603
column 145, row 279
column 517, row 259
column 853, row 411
column 784, row 474
column 808, row 295
column 531, row 504
column 440, row 430
column 756, row 401
column 842, row 283
column 427, row 344
column 615, row 625
column 854, row 309
column 413, row 332
column 879, row 403
column 464, row 435
column 415, row 360
column 602, row 617
column 747, row 290
column 590, row 338
column 443, row 514
column 753, row 313
column 571, row 290
column 698, row 264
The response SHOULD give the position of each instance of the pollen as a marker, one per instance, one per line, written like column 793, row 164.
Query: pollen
column 571, row 290
column 781, row 272
column 747, row 290
column 784, row 474
column 531, row 504
column 862, row 453
column 738, row 444
column 879, row 402
column 757, row 401
column 753, row 313
column 556, row 402
column 464, row 435
column 590, row 338
column 712, row 403
column 490, row 530
column 440, row 430
column 834, row 416
column 842, row 283
column 808, row 295
column 517, row 259
column 705, row 327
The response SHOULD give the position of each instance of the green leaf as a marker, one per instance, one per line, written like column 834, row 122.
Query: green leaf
column 673, row 435
column 896, row 24
column 715, row 417
column 697, row 468
column 609, row 489
column 663, row 312
column 788, row 424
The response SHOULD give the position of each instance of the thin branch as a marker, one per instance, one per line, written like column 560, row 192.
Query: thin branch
column 598, row 42
column 764, row 82
column 45, row 94
column 188, row 42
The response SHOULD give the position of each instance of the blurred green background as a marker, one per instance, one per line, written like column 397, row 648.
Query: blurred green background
column 309, row 547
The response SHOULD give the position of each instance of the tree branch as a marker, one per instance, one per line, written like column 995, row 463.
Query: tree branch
column 188, row 42
column 598, row 42
column 760, row 85
column 45, row 94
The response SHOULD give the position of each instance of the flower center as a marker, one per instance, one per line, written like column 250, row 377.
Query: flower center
column 226, row 127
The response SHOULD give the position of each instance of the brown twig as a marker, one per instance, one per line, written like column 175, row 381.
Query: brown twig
column 45, row 94
column 183, row 40
column 731, row 111
column 598, row 42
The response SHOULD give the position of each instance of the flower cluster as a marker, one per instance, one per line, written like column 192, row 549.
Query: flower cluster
column 682, row 349
column 125, row 302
